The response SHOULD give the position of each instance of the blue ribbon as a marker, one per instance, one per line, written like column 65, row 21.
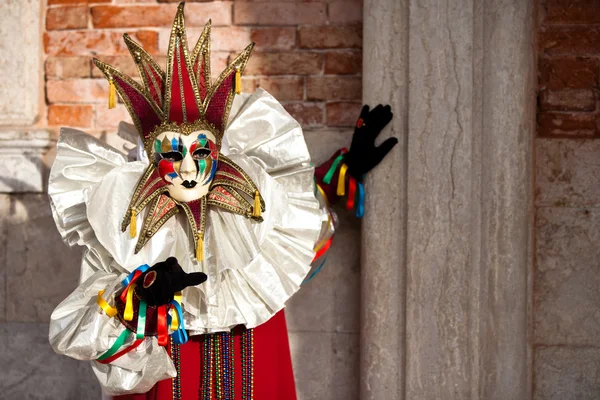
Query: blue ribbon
column 180, row 335
column 360, row 201
column 315, row 272
column 142, row 268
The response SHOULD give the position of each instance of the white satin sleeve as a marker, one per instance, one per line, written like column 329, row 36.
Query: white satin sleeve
column 78, row 327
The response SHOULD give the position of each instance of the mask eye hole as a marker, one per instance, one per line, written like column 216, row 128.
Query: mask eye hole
column 172, row 156
column 201, row 153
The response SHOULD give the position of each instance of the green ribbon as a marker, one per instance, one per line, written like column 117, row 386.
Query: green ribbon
column 141, row 325
column 329, row 174
column 115, row 347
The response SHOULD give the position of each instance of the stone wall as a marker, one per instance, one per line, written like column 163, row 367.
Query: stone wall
column 566, row 322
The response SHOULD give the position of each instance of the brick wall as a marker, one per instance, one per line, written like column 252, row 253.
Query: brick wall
column 569, row 67
column 307, row 54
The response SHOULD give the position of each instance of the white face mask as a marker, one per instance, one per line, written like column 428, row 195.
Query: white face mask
column 186, row 162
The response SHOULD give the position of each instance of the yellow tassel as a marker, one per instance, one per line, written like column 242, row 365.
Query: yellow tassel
column 238, row 81
column 112, row 94
column 200, row 249
column 256, row 209
column 133, row 223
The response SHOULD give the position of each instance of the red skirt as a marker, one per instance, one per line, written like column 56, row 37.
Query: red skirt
column 273, row 376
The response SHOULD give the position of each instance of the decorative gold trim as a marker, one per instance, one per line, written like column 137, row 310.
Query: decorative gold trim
column 198, row 232
column 238, row 63
column 139, row 57
column 150, row 227
column 249, row 180
column 109, row 72
column 202, row 49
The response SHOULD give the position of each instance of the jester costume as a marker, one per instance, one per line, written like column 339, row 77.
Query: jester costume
column 193, row 248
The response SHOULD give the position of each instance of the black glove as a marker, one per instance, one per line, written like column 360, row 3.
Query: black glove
column 158, row 284
column 363, row 155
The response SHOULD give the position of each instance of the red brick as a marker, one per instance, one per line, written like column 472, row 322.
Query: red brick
column 307, row 114
column 330, row 37
column 52, row 2
column 571, row 40
column 69, row 17
column 333, row 88
column 70, row 115
column 567, row 100
column 218, row 63
column 169, row 1
column 230, row 38
column 576, row 73
column 572, row 12
column 345, row 11
column 343, row 62
column 274, row 38
column 342, row 114
column 160, row 15
column 285, row 63
column 278, row 13
column 68, row 67
column 110, row 118
column 123, row 63
column 283, row 88
column 567, row 124
column 77, row 91
column 91, row 43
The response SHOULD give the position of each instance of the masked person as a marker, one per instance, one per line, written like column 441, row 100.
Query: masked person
column 192, row 251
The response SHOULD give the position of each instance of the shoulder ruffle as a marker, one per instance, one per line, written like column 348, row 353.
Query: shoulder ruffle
column 253, row 268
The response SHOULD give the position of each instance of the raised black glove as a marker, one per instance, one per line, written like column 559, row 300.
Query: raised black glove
column 160, row 283
column 364, row 155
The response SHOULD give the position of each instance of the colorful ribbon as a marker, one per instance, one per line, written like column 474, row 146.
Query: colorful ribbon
column 163, row 333
column 360, row 206
column 341, row 187
column 180, row 335
column 174, row 320
column 333, row 168
column 111, row 354
column 141, row 325
column 323, row 249
column 128, row 313
column 351, row 193
column 132, row 275
column 108, row 309
column 315, row 272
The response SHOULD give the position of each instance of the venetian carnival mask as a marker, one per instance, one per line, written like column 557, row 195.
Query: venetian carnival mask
column 181, row 117
column 187, row 163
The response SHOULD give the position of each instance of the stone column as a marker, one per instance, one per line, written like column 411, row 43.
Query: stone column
column 21, row 148
column 446, row 237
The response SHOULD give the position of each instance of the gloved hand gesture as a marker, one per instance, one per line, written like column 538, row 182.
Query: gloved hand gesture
column 159, row 284
column 364, row 155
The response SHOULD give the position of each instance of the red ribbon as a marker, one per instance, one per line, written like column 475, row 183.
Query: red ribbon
column 163, row 333
column 323, row 249
column 351, row 193
column 136, row 275
column 122, row 352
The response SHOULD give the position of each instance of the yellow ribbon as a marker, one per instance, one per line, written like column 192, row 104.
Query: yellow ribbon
column 341, row 188
column 322, row 193
column 174, row 317
column 128, row 314
column 108, row 309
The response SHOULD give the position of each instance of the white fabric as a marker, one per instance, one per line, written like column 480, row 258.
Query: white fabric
column 253, row 268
